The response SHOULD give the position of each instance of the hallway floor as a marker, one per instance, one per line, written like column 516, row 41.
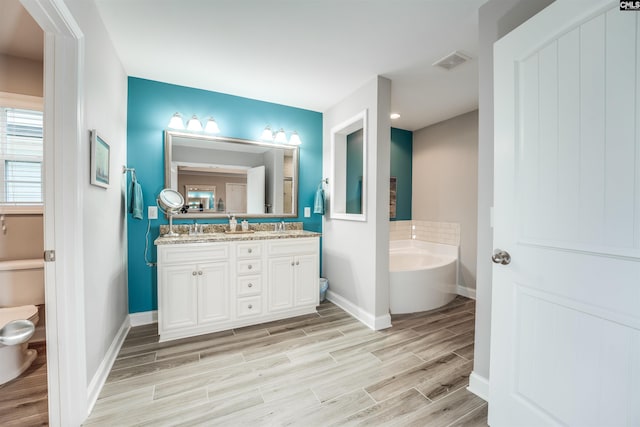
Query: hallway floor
column 316, row 370
column 23, row 401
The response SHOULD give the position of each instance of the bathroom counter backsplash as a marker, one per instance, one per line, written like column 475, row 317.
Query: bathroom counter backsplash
column 220, row 233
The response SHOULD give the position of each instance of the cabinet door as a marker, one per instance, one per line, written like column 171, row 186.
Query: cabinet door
column 306, row 280
column 280, row 283
column 178, row 306
column 213, row 292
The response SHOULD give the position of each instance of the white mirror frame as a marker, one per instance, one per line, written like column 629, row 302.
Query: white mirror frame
column 337, row 183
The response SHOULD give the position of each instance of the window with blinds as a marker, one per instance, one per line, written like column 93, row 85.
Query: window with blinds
column 20, row 157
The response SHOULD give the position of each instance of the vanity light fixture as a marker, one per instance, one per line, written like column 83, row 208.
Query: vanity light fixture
column 267, row 135
column 176, row 121
column 194, row 124
column 281, row 136
column 211, row 126
column 295, row 139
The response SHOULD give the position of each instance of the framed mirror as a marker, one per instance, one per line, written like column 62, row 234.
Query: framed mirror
column 349, row 169
column 219, row 176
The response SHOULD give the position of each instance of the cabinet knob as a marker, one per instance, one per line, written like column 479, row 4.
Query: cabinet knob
column 297, row 262
column 200, row 273
column 250, row 267
column 293, row 263
column 250, row 285
column 250, row 306
column 250, row 250
column 194, row 272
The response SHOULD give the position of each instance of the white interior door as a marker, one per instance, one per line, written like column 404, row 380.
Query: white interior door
column 255, row 190
column 565, row 329
column 236, row 197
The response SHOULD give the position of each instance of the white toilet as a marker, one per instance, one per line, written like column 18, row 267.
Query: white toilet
column 21, row 290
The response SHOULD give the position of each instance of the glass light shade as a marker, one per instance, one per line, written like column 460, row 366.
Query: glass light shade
column 211, row 126
column 176, row 122
column 281, row 136
column 295, row 139
column 194, row 124
column 267, row 135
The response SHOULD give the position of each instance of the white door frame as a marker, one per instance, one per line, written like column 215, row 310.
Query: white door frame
column 64, row 293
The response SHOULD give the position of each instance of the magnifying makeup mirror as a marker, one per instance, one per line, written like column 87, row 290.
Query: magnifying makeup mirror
column 170, row 202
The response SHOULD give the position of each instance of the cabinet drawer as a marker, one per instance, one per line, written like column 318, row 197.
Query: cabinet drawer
column 249, row 250
column 249, row 285
column 251, row 306
column 249, row 266
column 293, row 246
column 195, row 253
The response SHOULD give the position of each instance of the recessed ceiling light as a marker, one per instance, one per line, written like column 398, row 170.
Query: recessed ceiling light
column 394, row 116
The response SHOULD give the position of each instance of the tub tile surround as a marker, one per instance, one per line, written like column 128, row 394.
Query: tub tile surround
column 447, row 233
column 399, row 230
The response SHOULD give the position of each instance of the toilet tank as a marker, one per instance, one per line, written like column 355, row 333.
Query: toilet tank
column 21, row 282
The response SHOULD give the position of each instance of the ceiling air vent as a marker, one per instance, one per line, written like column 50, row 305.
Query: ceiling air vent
column 452, row 60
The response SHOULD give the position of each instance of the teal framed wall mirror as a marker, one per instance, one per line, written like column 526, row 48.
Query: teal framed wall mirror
column 349, row 169
column 220, row 176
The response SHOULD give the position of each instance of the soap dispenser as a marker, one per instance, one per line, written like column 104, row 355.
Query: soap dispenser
column 233, row 223
column 245, row 225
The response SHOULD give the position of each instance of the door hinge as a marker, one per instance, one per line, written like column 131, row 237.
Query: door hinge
column 49, row 256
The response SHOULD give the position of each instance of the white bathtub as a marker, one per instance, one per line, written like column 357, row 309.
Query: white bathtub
column 423, row 275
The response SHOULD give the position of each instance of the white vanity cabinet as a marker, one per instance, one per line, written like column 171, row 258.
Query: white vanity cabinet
column 293, row 273
column 212, row 286
column 249, row 273
column 193, row 287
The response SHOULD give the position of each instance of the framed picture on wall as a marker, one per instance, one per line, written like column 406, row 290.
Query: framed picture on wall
column 100, row 160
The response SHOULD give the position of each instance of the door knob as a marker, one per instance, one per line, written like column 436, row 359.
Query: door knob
column 501, row 257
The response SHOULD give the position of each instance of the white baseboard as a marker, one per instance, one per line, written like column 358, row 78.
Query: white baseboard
column 98, row 380
column 479, row 386
column 373, row 322
column 466, row 292
column 143, row 318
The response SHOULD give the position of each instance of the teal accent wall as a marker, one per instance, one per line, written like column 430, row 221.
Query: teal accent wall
column 150, row 106
column 355, row 166
column 401, row 168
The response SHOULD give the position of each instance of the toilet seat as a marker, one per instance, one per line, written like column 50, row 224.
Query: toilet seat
column 26, row 312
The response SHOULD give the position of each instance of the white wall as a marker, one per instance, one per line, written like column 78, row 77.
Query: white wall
column 496, row 19
column 445, row 170
column 104, row 225
column 355, row 255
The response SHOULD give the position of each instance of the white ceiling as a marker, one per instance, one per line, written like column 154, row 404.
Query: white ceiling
column 304, row 53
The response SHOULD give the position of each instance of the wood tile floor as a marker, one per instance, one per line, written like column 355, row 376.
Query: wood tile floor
column 325, row 369
column 23, row 401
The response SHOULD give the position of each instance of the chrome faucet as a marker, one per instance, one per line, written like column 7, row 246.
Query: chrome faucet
column 196, row 228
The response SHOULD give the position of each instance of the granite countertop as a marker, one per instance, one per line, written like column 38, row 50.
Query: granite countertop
column 231, row 237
